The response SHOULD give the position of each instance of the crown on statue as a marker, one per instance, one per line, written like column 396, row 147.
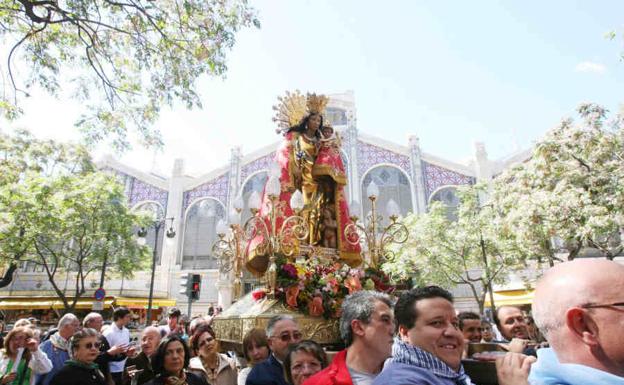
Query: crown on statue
column 316, row 103
column 294, row 106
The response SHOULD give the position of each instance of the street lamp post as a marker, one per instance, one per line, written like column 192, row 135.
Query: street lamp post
column 157, row 224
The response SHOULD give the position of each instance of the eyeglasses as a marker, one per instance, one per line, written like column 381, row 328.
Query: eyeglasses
column 91, row 345
column 592, row 306
column 285, row 337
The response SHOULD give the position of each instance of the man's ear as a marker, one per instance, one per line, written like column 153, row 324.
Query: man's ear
column 270, row 343
column 581, row 324
column 357, row 327
column 403, row 333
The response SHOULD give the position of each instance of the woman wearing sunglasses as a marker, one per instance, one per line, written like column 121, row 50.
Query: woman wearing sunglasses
column 81, row 368
column 215, row 367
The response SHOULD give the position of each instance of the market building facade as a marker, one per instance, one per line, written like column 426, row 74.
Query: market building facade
column 404, row 173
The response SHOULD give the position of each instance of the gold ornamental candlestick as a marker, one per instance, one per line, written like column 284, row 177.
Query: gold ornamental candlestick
column 275, row 240
column 377, row 240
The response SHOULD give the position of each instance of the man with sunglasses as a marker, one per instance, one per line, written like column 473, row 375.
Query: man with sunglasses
column 579, row 307
column 282, row 331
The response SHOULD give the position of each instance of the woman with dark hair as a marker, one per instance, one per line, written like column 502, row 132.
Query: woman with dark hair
column 32, row 361
column 304, row 360
column 216, row 368
column 255, row 350
column 81, row 369
column 170, row 363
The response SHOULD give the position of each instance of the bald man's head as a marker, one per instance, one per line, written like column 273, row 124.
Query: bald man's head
column 579, row 282
column 578, row 332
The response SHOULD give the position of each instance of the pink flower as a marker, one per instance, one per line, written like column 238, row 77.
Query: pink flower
column 315, row 307
column 353, row 284
column 290, row 270
column 291, row 295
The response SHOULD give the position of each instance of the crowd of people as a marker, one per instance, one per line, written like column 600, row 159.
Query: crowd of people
column 417, row 339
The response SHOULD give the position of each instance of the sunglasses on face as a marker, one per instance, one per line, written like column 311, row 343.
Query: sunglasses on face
column 91, row 345
column 285, row 337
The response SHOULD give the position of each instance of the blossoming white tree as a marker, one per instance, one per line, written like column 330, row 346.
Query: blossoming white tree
column 571, row 189
column 450, row 252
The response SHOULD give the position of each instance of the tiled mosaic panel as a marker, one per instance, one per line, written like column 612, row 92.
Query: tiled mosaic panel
column 256, row 165
column 216, row 188
column 436, row 176
column 370, row 155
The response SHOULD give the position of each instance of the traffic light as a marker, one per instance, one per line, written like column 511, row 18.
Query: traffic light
column 185, row 283
column 195, row 286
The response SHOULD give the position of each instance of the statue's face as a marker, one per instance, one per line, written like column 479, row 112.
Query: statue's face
column 314, row 123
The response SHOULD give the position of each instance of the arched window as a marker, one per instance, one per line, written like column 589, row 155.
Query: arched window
column 448, row 196
column 159, row 213
column 393, row 184
column 200, row 234
column 255, row 183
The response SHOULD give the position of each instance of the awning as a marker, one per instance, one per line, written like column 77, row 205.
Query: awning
column 24, row 303
column 511, row 297
column 21, row 303
column 141, row 303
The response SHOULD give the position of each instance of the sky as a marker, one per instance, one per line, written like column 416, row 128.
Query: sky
column 451, row 72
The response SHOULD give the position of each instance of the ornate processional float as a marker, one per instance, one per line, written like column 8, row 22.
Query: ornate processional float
column 303, row 241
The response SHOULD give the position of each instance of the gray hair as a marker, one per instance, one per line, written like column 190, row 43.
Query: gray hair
column 90, row 317
column 275, row 320
column 359, row 306
column 153, row 329
column 74, row 341
column 66, row 320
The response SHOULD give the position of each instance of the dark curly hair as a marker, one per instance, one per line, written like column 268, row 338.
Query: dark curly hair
column 201, row 329
column 405, row 312
column 303, row 125
column 158, row 362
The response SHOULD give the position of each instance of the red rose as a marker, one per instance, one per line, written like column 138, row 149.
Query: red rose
column 257, row 295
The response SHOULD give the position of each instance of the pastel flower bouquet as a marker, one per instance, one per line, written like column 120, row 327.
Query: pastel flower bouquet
column 317, row 287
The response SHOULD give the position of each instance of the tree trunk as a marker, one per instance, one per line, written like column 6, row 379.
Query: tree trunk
column 8, row 275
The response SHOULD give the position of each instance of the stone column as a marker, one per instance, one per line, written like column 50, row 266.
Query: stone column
column 224, row 282
column 166, row 273
column 235, row 172
column 483, row 168
column 352, row 151
column 418, row 177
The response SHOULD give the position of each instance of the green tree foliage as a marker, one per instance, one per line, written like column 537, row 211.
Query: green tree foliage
column 450, row 252
column 122, row 59
column 61, row 214
column 571, row 189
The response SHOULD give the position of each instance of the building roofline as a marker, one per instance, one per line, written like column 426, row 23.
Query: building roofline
column 153, row 179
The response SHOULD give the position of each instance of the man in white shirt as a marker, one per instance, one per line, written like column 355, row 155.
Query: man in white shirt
column 119, row 335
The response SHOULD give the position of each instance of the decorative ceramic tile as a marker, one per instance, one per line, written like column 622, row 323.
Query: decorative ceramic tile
column 436, row 176
column 256, row 165
column 370, row 155
column 140, row 191
column 216, row 188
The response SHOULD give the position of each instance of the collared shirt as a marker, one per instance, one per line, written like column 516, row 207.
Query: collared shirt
column 549, row 371
column 116, row 336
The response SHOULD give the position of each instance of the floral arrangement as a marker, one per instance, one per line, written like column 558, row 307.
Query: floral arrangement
column 317, row 287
